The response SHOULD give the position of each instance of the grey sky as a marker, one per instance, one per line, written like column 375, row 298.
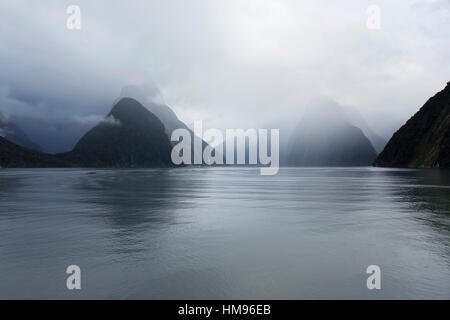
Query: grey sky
column 232, row 63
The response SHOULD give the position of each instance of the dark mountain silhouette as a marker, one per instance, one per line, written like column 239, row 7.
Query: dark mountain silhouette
column 424, row 141
column 12, row 132
column 325, row 138
column 130, row 136
column 150, row 97
column 15, row 156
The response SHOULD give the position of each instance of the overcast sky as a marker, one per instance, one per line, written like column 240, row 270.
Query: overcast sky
column 231, row 63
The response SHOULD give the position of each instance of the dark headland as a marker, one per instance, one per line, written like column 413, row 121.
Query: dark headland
column 424, row 140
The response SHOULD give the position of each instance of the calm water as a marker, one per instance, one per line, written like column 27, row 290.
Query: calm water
column 222, row 233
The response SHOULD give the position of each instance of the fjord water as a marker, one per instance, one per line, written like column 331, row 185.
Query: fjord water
column 225, row 233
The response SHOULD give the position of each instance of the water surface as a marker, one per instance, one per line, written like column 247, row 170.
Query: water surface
column 225, row 233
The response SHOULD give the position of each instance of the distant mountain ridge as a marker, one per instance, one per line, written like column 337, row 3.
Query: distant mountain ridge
column 12, row 132
column 53, row 135
column 15, row 156
column 129, row 136
column 324, row 137
column 424, row 140
column 132, row 136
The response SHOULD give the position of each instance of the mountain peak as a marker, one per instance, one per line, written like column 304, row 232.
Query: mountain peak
column 130, row 112
column 135, row 138
column 127, row 106
column 324, row 137
column 151, row 98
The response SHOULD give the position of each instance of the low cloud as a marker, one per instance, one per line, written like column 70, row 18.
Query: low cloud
column 89, row 119
column 111, row 121
column 4, row 132
column 97, row 119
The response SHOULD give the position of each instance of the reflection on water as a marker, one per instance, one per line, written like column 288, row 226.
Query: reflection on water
column 427, row 193
column 225, row 233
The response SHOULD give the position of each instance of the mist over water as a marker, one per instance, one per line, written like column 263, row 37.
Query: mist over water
column 218, row 233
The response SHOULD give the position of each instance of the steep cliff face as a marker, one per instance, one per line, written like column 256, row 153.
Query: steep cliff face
column 424, row 140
